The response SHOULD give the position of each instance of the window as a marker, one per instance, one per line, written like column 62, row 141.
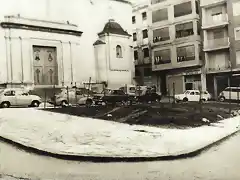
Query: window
column 160, row 15
column 162, row 57
column 119, row 51
column 133, row 19
column 197, row 7
column 184, row 30
column 144, row 16
column 200, row 51
column 198, row 28
column 192, row 93
column 186, row 53
column 237, row 33
column 161, row 34
column 147, row 71
column 37, row 75
column 134, row 36
column 137, row 72
column 9, row 93
column 136, row 55
column 51, row 75
column 236, row 7
column 238, row 57
column 216, row 11
column 145, row 33
column 78, row 93
column 146, row 52
column 218, row 33
column 183, row 9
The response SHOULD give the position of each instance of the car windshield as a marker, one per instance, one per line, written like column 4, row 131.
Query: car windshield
column 186, row 92
column 1, row 91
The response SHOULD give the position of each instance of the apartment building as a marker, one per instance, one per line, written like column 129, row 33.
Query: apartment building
column 220, row 25
column 141, row 44
column 176, row 44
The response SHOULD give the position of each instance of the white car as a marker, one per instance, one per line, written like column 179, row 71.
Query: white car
column 229, row 93
column 72, row 96
column 18, row 97
column 193, row 95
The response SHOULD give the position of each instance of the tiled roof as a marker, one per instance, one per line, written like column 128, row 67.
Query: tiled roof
column 113, row 28
column 98, row 42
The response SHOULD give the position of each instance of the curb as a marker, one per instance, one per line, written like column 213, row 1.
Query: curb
column 115, row 159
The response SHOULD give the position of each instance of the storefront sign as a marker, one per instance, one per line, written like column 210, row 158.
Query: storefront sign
column 193, row 72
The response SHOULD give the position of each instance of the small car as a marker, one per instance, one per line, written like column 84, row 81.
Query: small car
column 229, row 93
column 192, row 95
column 76, row 96
column 115, row 96
column 18, row 97
column 149, row 95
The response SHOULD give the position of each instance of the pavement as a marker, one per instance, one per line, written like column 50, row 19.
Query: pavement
column 66, row 136
column 217, row 163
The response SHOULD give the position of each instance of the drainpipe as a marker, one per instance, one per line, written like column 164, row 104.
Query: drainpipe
column 22, row 59
column 62, row 64
column 71, row 61
column 11, row 66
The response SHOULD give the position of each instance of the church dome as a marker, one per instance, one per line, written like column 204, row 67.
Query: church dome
column 113, row 27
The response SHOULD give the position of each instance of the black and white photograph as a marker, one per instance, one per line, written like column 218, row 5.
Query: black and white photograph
column 120, row 90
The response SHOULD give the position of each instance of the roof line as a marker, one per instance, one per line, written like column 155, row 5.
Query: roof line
column 123, row 1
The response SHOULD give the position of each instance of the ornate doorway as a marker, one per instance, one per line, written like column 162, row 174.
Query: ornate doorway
column 45, row 65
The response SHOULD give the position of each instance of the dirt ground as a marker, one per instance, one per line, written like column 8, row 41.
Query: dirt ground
column 163, row 114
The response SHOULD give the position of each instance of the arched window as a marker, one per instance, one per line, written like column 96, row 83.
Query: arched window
column 51, row 76
column 119, row 51
column 37, row 76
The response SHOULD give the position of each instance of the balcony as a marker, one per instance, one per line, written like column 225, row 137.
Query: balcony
column 216, row 44
column 215, row 21
column 144, row 61
column 211, row 3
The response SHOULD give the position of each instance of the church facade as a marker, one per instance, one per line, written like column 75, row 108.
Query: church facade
column 52, row 43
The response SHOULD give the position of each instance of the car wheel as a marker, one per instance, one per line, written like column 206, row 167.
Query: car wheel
column 64, row 103
column 35, row 104
column 185, row 99
column 89, row 102
column 129, row 102
column 103, row 104
column 222, row 99
column 5, row 104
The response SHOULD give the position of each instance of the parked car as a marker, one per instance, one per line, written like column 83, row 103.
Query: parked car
column 72, row 96
column 193, row 95
column 229, row 93
column 112, row 97
column 18, row 97
column 149, row 95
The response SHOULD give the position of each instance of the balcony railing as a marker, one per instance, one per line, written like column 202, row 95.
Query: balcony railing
column 214, row 69
column 211, row 2
column 143, row 61
column 159, row 39
column 217, row 43
column 216, row 20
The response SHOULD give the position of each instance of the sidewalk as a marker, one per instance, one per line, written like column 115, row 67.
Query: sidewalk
column 70, row 135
